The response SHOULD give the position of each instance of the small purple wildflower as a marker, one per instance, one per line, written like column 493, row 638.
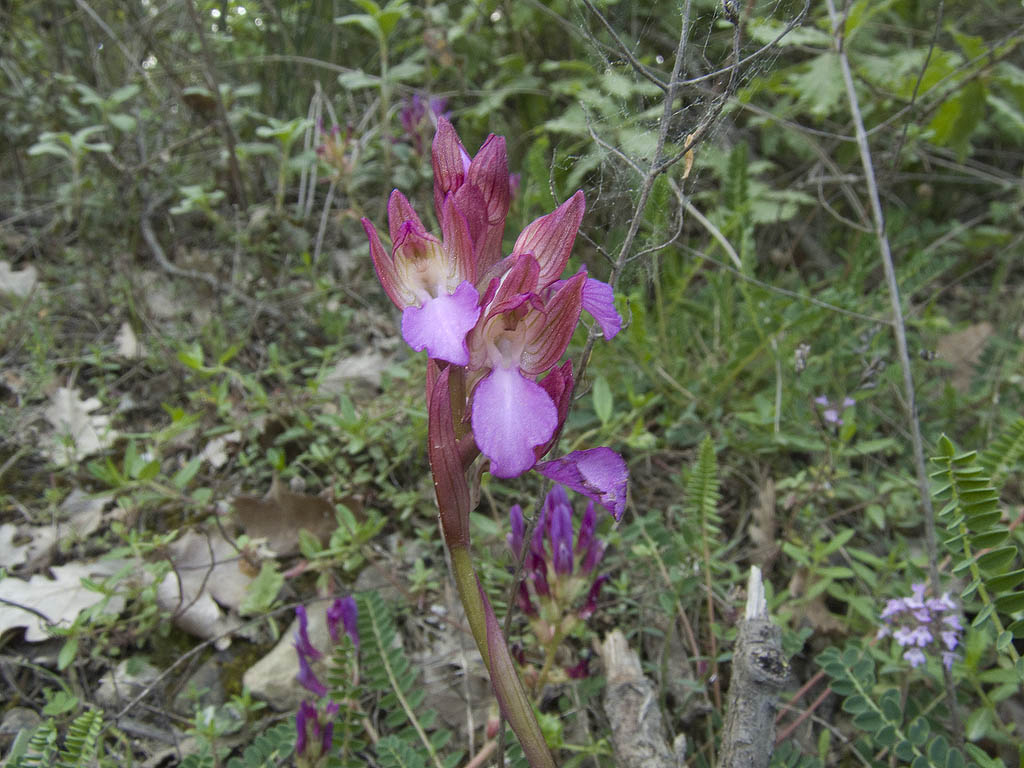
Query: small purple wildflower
column 515, row 538
column 307, row 677
column 345, row 612
column 832, row 413
column 302, row 643
column 918, row 624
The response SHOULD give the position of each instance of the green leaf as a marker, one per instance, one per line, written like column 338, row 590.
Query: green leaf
column 602, row 395
column 123, row 123
column 917, row 732
column 184, row 475
column 1008, row 604
column 68, row 652
column 978, row 723
column 1004, row 640
column 820, row 86
column 1005, row 581
column 192, row 356
column 263, row 591
column 357, row 79
column 361, row 20
column 957, row 118
column 997, row 559
column 890, row 703
column 855, row 705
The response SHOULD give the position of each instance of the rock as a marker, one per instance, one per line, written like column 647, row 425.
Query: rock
column 203, row 689
column 127, row 680
column 16, row 720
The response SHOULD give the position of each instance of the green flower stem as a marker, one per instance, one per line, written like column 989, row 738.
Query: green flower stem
column 469, row 593
column 507, row 686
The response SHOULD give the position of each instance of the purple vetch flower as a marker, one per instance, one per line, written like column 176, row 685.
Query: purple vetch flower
column 560, row 535
column 345, row 612
column 920, row 624
column 515, row 537
column 590, row 604
column 557, row 575
column 307, row 713
column 302, row 643
column 314, row 731
column 307, row 677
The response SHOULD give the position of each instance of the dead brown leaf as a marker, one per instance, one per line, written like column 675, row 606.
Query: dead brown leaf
column 281, row 514
column 208, row 573
column 963, row 351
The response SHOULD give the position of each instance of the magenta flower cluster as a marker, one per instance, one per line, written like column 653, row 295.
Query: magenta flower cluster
column 314, row 724
column 921, row 624
column 560, row 587
column 496, row 327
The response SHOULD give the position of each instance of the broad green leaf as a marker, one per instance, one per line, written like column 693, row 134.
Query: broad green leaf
column 602, row 395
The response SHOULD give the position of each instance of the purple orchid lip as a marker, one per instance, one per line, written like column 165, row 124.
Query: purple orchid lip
column 511, row 415
column 440, row 325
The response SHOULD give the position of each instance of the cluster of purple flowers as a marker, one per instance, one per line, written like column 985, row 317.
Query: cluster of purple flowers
column 918, row 623
column 314, row 726
column 831, row 411
column 558, row 572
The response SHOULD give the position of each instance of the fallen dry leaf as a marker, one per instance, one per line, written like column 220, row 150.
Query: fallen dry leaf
column 59, row 600
column 11, row 554
column 208, row 573
column 77, row 432
column 281, row 514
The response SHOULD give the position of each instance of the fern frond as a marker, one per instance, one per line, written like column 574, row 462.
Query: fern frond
column 1005, row 454
column 980, row 539
column 702, row 495
column 82, row 741
column 268, row 749
column 392, row 752
column 388, row 670
column 41, row 749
